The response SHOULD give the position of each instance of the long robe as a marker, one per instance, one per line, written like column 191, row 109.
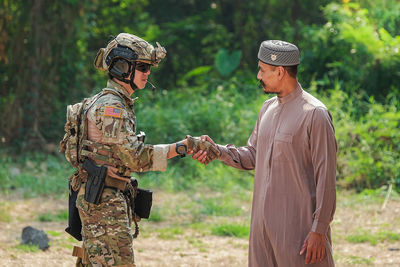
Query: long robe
column 293, row 151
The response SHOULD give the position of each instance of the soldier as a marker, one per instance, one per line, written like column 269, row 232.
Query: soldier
column 108, row 139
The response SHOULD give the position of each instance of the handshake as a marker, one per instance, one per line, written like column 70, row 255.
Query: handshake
column 203, row 149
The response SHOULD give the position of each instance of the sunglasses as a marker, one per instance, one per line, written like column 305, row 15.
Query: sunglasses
column 143, row 67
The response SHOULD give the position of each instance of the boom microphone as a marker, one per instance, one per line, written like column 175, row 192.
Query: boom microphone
column 152, row 86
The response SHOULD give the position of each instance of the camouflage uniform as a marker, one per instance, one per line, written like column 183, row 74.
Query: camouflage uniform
column 103, row 128
column 106, row 228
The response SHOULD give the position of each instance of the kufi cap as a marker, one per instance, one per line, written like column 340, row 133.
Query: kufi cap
column 279, row 53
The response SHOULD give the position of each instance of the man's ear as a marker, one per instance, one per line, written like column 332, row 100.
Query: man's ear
column 281, row 72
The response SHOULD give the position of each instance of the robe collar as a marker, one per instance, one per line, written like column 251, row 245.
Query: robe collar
column 296, row 92
column 113, row 85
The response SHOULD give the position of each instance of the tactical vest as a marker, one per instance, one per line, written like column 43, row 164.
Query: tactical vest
column 75, row 143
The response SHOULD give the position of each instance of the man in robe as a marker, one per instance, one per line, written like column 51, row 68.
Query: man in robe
column 293, row 151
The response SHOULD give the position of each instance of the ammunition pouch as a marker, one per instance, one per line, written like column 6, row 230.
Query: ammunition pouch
column 95, row 181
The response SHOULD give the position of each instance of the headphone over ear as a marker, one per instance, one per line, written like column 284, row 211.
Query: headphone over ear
column 122, row 61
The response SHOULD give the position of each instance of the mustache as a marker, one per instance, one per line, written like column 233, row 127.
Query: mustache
column 263, row 86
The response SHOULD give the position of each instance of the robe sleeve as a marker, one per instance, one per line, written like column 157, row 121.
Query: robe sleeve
column 323, row 150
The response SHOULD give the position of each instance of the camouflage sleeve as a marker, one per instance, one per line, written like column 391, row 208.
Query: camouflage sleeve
column 118, row 129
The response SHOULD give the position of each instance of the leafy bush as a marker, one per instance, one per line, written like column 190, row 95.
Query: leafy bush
column 355, row 48
column 369, row 144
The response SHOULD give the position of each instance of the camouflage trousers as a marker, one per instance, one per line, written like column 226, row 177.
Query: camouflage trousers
column 106, row 229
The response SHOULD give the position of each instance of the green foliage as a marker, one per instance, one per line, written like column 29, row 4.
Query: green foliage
column 34, row 175
column 349, row 57
column 368, row 140
column 231, row 229
column 218, row 206
column 156, row 215
column 53, row 217
column 353, row 48
column 169, row 233
column 227, row 62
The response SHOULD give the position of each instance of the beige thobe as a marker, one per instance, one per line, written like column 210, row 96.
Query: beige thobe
column 293, row 151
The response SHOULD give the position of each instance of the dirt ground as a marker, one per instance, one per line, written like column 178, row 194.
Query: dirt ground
column 191, row 248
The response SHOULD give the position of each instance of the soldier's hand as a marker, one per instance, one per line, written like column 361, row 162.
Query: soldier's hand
column 203, row 148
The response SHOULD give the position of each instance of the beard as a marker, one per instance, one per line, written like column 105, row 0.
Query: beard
column 264, row 87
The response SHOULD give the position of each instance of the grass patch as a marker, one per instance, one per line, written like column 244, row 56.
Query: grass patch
column 28, row 248
column 4, row 215
column 198, row 243
column 51, row 217
column 236, row 230
column 200, row 227
column 155, row 215
column 360, row 260
column 218, row 207
column 362, row 236
column 169, row 233
column 53, row 233
column 195, row 242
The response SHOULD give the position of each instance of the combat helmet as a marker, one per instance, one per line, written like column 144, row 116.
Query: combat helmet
column 121, row 54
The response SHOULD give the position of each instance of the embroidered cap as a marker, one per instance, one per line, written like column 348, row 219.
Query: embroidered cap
column 279, row 53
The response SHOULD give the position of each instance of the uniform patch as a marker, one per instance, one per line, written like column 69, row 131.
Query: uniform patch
column 111, row 128
column 113, row 112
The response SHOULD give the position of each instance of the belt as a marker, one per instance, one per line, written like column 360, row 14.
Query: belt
column 118, row 183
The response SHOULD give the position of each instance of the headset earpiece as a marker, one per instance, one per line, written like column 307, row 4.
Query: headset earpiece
column 122, row 62
column 120, row 69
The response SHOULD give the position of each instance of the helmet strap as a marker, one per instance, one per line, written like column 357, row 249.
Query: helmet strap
column 121, row 76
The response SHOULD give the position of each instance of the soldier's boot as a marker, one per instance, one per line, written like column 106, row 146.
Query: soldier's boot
column 83, row 257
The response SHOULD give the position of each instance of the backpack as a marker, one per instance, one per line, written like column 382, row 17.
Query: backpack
column 70, row 143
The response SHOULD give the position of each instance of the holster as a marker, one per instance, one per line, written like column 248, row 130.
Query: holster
column 95, row 181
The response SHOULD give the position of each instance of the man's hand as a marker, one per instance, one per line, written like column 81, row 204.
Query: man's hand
column 203, row 148
column 314, row 244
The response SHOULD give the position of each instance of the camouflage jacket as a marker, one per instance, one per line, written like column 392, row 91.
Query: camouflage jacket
column 112, row 122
